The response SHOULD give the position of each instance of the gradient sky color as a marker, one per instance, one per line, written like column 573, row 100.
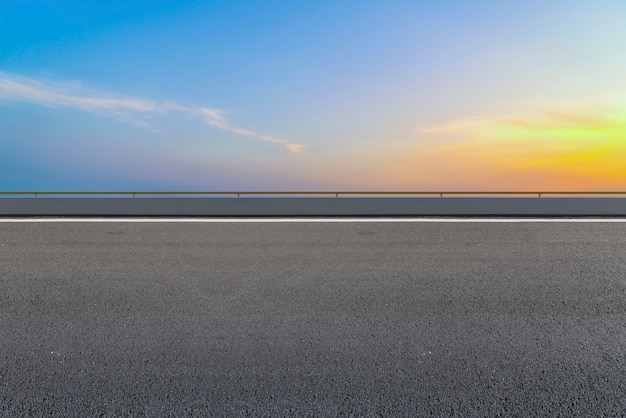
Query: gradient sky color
column 310, row 95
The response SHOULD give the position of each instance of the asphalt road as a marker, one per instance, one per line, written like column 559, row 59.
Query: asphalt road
column 367, row 319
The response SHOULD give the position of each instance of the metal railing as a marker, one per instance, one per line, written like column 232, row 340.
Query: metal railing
column 312, row 193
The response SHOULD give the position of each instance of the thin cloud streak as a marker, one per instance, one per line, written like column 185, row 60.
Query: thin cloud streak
column 215, row 117
column 297, row 148
column 28, row 90
column 577, row 117
column 24, row 89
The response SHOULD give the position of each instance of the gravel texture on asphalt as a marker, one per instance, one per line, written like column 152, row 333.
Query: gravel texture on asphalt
column 313, row 319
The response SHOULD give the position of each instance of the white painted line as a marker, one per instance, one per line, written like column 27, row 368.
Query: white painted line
column 312, row 220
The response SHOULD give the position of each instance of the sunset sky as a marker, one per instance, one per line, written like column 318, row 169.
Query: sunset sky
column 313, row 95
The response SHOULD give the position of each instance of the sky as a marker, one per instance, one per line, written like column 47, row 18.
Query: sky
column 277, row 95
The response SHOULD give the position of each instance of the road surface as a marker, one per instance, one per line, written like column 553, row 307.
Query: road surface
column 318, row 319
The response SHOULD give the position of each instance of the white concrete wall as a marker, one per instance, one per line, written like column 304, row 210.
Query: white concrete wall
column 313, row 206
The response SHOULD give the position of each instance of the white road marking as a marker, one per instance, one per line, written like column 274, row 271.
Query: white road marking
column 312, row 220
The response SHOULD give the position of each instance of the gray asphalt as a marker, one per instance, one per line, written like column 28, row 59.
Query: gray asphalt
column 391, row 319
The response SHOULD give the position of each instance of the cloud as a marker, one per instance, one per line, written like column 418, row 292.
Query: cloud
column 563, row 144
column 73, row 95
column 551, row 145
column 297, row 148
column 215, row 117
column 548, row 118
column 141, row 123
column 24, row 89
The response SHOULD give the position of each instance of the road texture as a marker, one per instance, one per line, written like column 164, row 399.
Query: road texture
column 317, row 319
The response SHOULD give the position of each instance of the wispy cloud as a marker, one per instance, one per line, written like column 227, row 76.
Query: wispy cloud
column 298, row 148
column 544, row 145
column 73, row 95
column 215, row 117
column 550, row 118
column 575, row 144
column 25, row 89
column 547, row 121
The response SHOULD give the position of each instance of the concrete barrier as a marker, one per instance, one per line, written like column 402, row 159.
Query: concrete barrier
column 313, row 206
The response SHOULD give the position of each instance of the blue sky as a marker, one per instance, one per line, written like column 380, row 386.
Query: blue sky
column 303, row 95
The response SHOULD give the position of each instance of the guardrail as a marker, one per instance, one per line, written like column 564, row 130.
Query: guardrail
column 313, row 193
column 313, row 203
